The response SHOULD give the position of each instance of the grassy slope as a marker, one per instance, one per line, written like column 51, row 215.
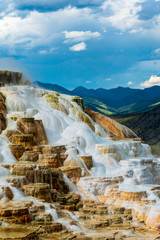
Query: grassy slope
column 146, row 125
column 142, row 106
column 98, row 106
column 101, row 107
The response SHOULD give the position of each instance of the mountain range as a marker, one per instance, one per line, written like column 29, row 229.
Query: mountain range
column 114, row 101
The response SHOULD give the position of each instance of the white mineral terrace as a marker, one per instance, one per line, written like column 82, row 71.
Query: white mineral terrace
column 127, row 164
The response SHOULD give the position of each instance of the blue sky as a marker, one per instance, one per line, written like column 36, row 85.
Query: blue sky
column 92, row 43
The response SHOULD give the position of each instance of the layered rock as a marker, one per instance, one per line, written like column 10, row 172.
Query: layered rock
column 34, row 173
column 18, row 233
column 51, row 159
column 87, row 160
column 17, row 150
column 26, row 140
column 9, row 77
column 38, row 190
column 111, row 127
column 40, row 173
column 3, row 112
column 79, row 101
column 15, row 213
column 34, row 127
column 73, row 173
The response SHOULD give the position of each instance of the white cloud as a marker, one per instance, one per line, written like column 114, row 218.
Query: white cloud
column 77, row 36
column 130, row 83
column 78, row 47
column 88, row 82
column 46, row 51
column 124, row 13
column 32, row 28
column 43, row 52
column 157, row 50
column 108, row 79
column 153, row 81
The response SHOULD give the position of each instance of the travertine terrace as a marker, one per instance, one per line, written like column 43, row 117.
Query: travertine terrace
column 68, row 175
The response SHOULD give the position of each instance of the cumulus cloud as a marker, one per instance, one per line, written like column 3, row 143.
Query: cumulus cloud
column 108, row 79
column 130, row 83
column 153, row 81
column 77, row 36
column 35, row 28
column 123, row 13
column 78, row 47
column 46, row 51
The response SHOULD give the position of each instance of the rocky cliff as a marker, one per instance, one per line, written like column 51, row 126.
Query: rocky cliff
column 63, row 175
column 111, row 127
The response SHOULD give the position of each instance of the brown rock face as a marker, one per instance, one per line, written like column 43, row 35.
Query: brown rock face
column 38, row 190
column 133, row 196
column 110, row 126
column 7, row 191
column 58, row 182
column 51, row 159
column 38, row 173
column 18, row 233
column 18, row 181
column 35, row 127
column 30, row 156
column 59, row 150
column 3, row 112
column 17, row 150
column 26, row 140
column 34, row 173
column 73, row 173
column 15, row 213
column 9, row 77
column 79, row 101
column 10, row 133
column 87, row 160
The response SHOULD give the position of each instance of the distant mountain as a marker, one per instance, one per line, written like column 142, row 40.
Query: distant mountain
column 118, row 100
column 146, row 125
column 53, row 87
column 119, row 97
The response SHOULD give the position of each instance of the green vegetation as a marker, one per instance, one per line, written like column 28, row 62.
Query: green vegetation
column 98, row 106
column 142, row 106
column 145, row 125
column 155, row 150
column 155, row 104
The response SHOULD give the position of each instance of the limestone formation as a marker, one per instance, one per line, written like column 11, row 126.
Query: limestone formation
column 79, row 101
column 91, row 188
column 17, row 150
column 34, row 127
column 7, row 191
column 17, row 181
column 3, row 112
column 9, row 77
column 111, row 127
column 51, row 159
column 26, row 140
column 34, row 173
column 73, row 173
column 87, row 160
column 31, row 156
column 14, row 213
column 18, row 233
column 38, row 190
